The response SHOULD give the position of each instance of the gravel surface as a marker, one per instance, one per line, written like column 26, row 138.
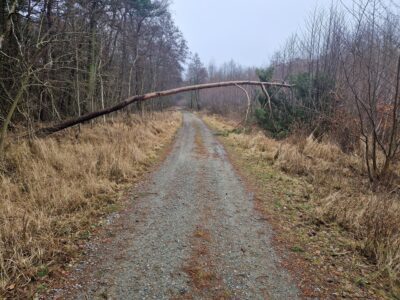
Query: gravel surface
column 193, row 233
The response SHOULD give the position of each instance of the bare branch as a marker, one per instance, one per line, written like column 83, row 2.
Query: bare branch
column 248, row 103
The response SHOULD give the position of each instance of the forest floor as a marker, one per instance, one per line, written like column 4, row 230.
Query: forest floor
column 192, row 230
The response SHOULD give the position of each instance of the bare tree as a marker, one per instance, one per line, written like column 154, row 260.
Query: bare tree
column 62, row 59
column 196, row 74
column 371, row 66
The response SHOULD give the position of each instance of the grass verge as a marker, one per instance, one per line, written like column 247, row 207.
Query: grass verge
column 343, row 240
column 54, row 192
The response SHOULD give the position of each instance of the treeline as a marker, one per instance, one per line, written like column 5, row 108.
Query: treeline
column 64, row 58
column 230, row 101
column 346, row 68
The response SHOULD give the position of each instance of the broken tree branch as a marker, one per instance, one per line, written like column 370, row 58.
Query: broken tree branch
column 248, row 103
column 69, row 123
column 267, row 96
column 269, row 103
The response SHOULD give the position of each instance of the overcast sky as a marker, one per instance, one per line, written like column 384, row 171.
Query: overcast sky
column 247, row 31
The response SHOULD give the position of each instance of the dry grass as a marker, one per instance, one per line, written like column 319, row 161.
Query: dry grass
column 340, row 192
column 54, row 191
column 198, row 141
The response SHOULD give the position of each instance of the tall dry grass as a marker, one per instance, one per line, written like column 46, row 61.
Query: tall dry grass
column 53, row 190
column 341, row 191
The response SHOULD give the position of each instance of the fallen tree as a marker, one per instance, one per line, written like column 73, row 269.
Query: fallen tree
column 128, row 101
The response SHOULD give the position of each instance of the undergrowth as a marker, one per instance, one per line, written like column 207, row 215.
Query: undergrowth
column 55, row 190
column 333, row 188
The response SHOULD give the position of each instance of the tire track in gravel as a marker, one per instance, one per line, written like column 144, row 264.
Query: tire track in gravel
column 193, row 233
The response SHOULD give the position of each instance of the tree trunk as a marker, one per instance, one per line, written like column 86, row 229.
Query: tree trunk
column 7, row 20
column 90, row 116
column 92, row 55
column 13, row 107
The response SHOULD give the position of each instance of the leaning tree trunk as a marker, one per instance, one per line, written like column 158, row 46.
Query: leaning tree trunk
column 63, row 125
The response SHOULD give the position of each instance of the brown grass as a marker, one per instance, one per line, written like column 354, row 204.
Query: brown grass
column 54, row 191
column 201, row 269
column 198, row 141
column 338, row 188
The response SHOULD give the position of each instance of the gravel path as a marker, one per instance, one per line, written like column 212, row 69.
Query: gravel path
column 193, row 233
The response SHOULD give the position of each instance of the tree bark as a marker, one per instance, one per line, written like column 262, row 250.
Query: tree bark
column 92, row 115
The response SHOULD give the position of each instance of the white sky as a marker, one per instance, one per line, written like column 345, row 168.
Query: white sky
column 247, row 31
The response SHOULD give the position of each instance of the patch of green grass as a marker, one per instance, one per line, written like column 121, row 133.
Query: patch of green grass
column 84, row 235
column 41, row 288
column 113, row 208
column 305, row 206
column 268, row 176
column 43, row 271
column 297, row 249
column 223, row 133
column 278, row 204
column 226, row 133
column 361, row 282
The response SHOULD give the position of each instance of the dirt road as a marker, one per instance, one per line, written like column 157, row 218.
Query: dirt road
column 192, row 233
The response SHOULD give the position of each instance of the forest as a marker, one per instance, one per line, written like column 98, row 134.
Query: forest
column 345, row 68
column 323, row 114
column 65, row 58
